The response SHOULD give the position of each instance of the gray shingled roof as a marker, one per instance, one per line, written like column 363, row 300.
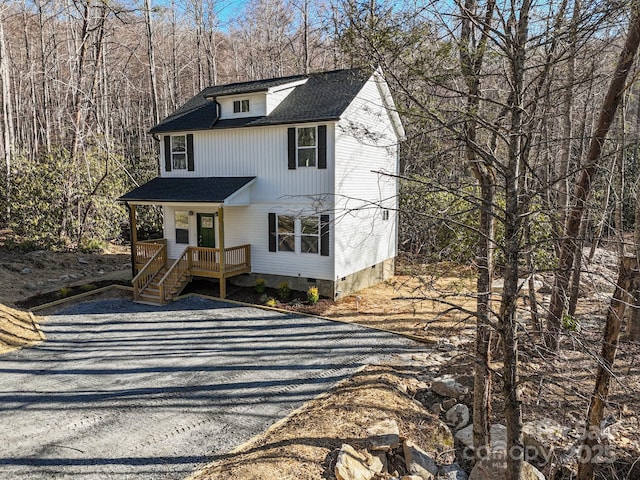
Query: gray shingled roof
column 323, row 97
column 193, row 189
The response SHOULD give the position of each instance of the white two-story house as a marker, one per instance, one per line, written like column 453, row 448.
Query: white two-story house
column 288, row 179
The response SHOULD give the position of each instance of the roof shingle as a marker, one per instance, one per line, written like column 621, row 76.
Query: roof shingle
column 191, row 189
column 324, row 96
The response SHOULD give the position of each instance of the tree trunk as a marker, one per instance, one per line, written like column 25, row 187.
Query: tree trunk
column 471, row 58
column 582, row 188
column 152, row 63
column 7, row 119
column 591, row 444
column 577, row 270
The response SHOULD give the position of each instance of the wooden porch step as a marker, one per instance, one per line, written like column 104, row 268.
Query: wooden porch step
column 150, row 298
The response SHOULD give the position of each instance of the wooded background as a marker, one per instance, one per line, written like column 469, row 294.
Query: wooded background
column 83, row 81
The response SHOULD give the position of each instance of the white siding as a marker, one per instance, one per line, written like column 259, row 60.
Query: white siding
column 174, row 250
column 257, row 105
column 250, row 225
column 365, row 144
column 275, row 97
column 260, row 152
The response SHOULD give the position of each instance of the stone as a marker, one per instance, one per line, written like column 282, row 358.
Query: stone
column 465, row 436
column 384, row 435
column 418, row 462
column 82, row 261
column 436, row 408
column 498, row 434
column 13, row 267
column 458, row 416
column 498, row 437
column 448, row 403
column 25, row 271
column 384, row 461
column 452, row 472
column 496, row 469
column 448, row 386
column 354, row 465
column 540, row 437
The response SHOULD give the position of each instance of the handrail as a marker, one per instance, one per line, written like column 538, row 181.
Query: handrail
column 146, row 274
column 208, row 259
column 148, row 248
column 174, row 273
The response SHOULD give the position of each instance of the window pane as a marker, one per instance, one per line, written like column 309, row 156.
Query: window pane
column 179, row 143
column 286, row 243
column 182, row 219
column 236, row 106
column 309, row 243
column 306, row 157
column 182, row 235
column 285, row 224
column 179, row 160
column 309, row 225
column 245, row 105
column 307, row 137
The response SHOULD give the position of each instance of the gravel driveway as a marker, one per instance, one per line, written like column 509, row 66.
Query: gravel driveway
column 121, row 390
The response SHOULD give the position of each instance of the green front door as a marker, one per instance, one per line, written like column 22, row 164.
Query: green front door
column 206, row 230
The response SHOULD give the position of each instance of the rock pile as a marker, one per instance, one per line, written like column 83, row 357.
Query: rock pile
column 388, row 456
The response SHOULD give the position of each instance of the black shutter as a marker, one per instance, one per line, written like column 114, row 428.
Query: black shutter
column 324, row 235
column 190, row 166
column 322, row 146
column 167, row 153
column 292, row 148
column 272, row 232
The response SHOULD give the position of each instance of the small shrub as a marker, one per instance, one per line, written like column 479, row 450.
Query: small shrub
column 312, row 295
column 91, row 245
column 284, row 291
column 570, row 323
column 271, row 302
column 87, row 287
column 64, row 292
column 261, row 285
column 264, row 298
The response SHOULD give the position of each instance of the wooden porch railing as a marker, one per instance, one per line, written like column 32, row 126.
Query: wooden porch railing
column 194, row 261
column 157, row 262
column 174, row 275
column 208, row 259
column 147, row 249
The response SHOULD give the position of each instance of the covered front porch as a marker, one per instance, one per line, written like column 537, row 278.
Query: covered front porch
column 194, row 242
column 160, row 279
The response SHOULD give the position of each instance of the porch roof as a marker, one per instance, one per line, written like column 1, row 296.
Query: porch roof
column 188, row 190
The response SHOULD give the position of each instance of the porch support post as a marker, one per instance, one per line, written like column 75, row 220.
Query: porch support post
column 134, row 238
column 223, row 279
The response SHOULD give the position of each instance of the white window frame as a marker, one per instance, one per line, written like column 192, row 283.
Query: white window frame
column 175, row 226
column 242, row 105
column 175, row 152
column 314, row 235
column 297, row 234
column 307, row 147
column 291, row 234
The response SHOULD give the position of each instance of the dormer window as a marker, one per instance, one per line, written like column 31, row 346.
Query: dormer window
column 240, row 106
